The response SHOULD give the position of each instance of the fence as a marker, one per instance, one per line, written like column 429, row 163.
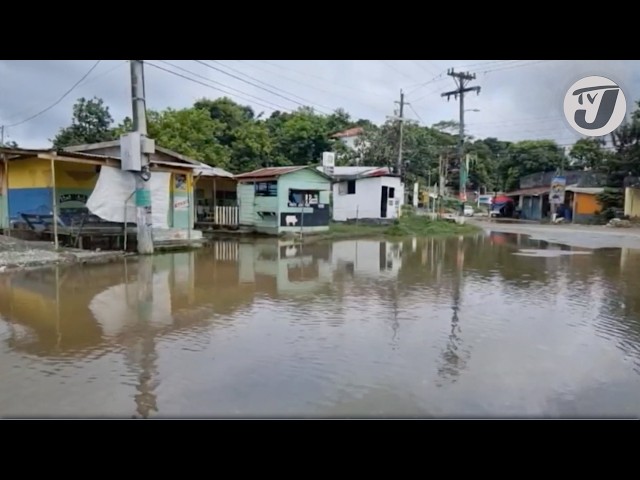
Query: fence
column 225, row 216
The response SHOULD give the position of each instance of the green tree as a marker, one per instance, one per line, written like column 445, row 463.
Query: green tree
column 299, row 138
column 527, row 157
column 91, row 123
column 191, row 132
column 588, row 153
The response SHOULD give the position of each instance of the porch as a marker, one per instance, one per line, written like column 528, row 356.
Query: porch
column 46, row 193
column 216, row 199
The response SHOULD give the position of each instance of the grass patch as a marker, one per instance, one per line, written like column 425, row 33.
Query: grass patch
column 408, row 226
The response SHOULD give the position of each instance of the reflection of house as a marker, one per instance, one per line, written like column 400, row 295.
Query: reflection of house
column 284, row 200
column 366, row 192
column 580, row 204
column 367, row 257
column 295, row 268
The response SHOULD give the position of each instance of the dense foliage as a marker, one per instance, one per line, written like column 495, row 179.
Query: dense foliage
column 224, row 133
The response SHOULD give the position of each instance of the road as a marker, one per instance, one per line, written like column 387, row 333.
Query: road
column 585, row 236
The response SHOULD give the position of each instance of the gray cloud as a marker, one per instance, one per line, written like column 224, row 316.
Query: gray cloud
column 520, row 99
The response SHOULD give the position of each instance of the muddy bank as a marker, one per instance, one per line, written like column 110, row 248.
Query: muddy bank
column 584, row 236
column 18, row 254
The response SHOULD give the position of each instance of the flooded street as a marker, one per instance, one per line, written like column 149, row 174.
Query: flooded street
column 491, row 326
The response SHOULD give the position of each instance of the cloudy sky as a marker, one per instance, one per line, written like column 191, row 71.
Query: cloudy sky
column 520, row 99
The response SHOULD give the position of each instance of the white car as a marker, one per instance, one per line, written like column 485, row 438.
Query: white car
column 468, row 211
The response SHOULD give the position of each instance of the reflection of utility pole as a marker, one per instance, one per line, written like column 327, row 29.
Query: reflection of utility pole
column 453, row 361
column 145, row 400
column 461, row 80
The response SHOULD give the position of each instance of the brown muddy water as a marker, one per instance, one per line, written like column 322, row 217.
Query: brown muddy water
column 493, row 326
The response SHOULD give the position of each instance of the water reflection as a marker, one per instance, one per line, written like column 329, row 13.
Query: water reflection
column 433, row 327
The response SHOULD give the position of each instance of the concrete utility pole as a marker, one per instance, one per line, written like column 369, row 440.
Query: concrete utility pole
column 402, row 103
column 462, row 80
column 143, row 192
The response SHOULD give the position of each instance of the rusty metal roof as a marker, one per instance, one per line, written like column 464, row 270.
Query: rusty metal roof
column 528, row 191
column 270, row 172
column 350, row 132
column 17, row 153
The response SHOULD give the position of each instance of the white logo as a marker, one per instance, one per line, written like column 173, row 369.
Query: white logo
column 595, row 106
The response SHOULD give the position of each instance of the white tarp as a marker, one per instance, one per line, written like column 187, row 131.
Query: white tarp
column 113, row 188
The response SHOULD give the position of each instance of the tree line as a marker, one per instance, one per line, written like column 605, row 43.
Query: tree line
column 223, row 133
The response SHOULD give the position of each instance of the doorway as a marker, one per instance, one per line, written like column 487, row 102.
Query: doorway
column 383, row 202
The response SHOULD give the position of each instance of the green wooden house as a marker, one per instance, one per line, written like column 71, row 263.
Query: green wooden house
column 282, row 200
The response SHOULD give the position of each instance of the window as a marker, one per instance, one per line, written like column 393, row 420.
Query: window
column 351, row 187
column 266, row 189
column 392, row 192
column 303, row 197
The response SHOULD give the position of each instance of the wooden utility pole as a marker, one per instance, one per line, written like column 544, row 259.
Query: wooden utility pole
column 143, row 192
column 462, row 80
column 402, row 103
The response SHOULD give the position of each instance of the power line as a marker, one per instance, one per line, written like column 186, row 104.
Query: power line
column 308, row 85
column 416, row 113
column 251, row 83
column 205, row 84
column 224, row 85
column 273, row 86
column 59, row 100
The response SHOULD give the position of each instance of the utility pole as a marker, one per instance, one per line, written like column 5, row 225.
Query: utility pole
column 461, row 79
column 141, row 143
column 402, row 103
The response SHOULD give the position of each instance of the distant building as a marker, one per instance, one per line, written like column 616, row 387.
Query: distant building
column 366, row 193
column 352, row 139
column 279, row 200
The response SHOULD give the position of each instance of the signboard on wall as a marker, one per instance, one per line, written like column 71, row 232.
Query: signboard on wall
column 556, row 195
column 181, row 204
column 72, row 197
column 180, row 182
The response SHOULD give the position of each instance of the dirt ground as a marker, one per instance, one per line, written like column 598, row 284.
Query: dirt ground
column 585, row 236
column 18, row 254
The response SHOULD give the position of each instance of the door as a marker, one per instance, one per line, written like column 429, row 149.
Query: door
column 383, row 202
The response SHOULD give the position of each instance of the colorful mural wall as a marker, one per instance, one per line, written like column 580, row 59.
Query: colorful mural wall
column 31, row 187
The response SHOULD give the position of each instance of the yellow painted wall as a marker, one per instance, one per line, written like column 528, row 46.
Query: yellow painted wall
column 632, row 202
column 586, row 204
column 30, row 173
column 76, row 175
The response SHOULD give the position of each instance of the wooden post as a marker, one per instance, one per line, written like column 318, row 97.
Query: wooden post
column 5, row 193
column 55, row 203
column 189, row 177
column 215, row 207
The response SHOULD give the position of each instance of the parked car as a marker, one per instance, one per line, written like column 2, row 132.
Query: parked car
column 468, row 211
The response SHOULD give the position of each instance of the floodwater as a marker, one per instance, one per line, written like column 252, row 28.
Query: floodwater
column 491, row 326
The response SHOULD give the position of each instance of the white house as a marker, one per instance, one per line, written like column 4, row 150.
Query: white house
column 350, row 138
column 365, row 192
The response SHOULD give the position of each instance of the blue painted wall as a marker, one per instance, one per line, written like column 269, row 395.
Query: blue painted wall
column 29, row 200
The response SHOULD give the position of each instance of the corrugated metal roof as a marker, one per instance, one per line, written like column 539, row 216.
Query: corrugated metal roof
column 29, row 152
column 529, row 191
column 269, row 172
column 358, row 172
column 588, row 190
column 350, row 132
column 208, row 171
